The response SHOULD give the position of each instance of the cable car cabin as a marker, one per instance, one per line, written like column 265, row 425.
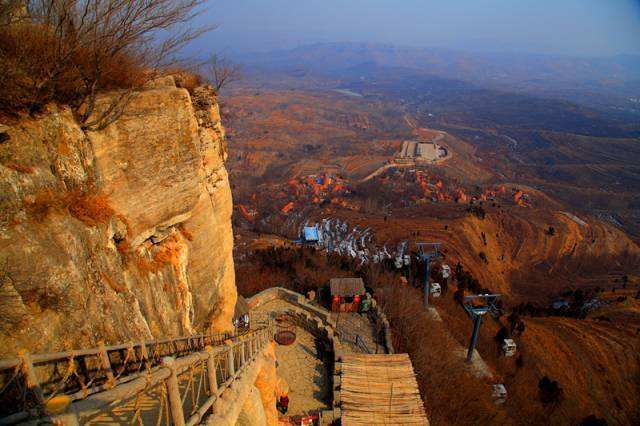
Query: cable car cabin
column 508, row 347
column 499, row 393
column 346, row 294
column 446, row 273
column 436, row 290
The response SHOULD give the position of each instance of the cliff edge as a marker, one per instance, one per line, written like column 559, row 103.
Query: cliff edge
column 122, row 234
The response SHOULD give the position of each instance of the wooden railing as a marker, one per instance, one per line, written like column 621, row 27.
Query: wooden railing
column 172, row 381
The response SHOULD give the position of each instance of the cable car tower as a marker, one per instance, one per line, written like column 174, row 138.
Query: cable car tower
column 477, row 306
column 427, row 252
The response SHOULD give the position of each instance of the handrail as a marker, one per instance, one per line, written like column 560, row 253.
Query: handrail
column 55, row 356
column 215, row 366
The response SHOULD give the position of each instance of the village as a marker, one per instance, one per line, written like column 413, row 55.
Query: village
column 398, row 187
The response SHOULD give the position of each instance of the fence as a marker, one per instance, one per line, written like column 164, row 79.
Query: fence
column 159, row 381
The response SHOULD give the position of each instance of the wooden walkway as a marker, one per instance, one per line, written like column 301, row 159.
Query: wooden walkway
column 380, row 390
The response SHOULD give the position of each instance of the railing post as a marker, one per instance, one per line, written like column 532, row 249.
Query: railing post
column 252, row 346
column 144, row 353
column 173, row 392
column 211, row 370
column 231, row 367
column 31, row 378
column 243, row 357
column 106, row 364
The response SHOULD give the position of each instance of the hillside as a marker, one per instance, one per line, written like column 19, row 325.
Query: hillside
column 311, row 136
column 534, row 214
column 594, row 360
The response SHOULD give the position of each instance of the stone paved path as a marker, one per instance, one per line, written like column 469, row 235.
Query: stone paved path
column 351, row 325
column 300, row 366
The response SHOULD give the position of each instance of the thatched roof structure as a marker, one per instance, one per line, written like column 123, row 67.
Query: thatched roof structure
column 347, row 287
column 380, row 390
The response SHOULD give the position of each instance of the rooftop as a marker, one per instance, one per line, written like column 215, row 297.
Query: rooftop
column 347, row 286
column 380, row 389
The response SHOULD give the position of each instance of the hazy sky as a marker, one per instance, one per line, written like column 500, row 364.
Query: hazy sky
column 576, row 27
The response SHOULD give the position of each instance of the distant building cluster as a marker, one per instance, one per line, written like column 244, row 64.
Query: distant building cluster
column 337, row 236
column 426, row 152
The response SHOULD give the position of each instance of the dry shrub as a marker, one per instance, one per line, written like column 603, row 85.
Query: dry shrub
column 69, row 51
column 167, row 253
column 92, row 209
column 124, row 248
column 220, row 72
column 251, row 280
column 451, row 394
column 20, row 168
column 185, row 232
column 187, row 79
column 298, row 269
column 146, row 265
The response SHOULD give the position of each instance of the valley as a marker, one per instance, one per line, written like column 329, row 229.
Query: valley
column 533, row 212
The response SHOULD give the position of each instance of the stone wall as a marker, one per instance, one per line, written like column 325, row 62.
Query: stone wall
column 322, row 314
column 318, row 321
column 121, row 234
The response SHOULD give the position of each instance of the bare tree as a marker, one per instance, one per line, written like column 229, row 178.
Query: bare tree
column 11, row 11
column 220, row 72
column 93, row 46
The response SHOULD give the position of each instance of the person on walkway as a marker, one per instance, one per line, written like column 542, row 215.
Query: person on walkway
column 283, row 404
column 365, row 305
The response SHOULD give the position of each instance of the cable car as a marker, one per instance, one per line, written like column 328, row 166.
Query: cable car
column 509, row 347
column 499, row 393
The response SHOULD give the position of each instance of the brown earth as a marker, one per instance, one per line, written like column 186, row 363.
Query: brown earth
column 594, row 360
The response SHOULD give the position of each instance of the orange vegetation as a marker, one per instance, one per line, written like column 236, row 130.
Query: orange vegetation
column 185, row 232
column 524, row 263
column 91, row 209
column 287, row 207
column 20, row 168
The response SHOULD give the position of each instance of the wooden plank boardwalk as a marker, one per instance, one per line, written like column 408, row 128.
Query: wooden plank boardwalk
column 380, row 390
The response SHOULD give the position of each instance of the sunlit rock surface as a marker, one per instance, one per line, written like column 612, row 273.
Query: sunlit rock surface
column 121, row 234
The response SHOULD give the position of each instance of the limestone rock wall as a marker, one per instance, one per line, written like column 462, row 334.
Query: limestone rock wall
column 266, row 383
column 119, row 234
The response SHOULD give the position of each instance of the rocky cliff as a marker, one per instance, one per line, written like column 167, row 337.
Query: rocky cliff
column 119, row 234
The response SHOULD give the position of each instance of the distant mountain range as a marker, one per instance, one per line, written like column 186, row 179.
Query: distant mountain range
column 569, row 77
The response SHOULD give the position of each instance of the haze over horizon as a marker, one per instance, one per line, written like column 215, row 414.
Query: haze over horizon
column 573, row 27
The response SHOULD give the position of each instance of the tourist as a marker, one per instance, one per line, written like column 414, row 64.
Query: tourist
column 283, row 403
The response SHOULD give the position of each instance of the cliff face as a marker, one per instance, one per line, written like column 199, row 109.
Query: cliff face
column 119, row 234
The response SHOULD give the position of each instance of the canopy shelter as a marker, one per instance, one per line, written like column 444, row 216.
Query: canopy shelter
column 346, row 294
column 310, row 234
